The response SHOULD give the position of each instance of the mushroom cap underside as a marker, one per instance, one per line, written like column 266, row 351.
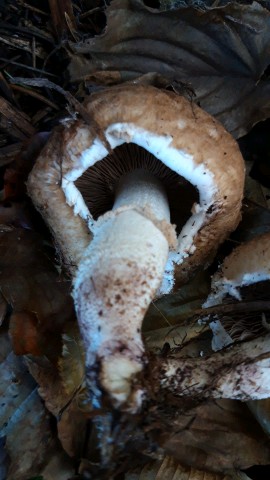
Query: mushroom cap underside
column 179, row 134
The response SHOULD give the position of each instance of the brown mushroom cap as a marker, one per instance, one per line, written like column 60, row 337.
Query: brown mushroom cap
column 247, row 264
column 178, row 133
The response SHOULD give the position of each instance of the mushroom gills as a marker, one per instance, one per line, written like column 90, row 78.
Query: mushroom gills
column 99, row 183
column 118, row 277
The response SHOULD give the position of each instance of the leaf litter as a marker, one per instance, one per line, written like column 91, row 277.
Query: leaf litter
column 229, row 76
column 221, row 52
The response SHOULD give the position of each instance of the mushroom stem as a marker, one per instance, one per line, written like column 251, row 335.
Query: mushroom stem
column 117, row 278
column 240, row 373
column 142, row 189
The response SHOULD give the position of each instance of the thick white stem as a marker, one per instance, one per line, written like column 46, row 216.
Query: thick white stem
column 116, row 281
column 141, row 189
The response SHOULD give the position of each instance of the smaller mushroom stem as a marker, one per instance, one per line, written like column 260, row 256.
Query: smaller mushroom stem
column 116, row 281
column 240, row 373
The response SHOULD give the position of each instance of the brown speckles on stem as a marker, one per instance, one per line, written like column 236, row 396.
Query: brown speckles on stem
column 239, row 373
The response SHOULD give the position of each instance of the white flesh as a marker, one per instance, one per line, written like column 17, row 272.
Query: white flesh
column 116, row 281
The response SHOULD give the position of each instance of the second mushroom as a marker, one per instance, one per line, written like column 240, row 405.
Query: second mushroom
column 134, row 222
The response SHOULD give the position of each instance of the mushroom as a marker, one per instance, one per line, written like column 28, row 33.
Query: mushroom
column 247, row 264
column 110, row 215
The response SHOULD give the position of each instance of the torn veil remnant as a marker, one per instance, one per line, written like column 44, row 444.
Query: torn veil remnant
column 111, row 215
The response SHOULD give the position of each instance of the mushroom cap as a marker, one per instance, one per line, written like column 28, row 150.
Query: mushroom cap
column 247, row 264
column 177, row 132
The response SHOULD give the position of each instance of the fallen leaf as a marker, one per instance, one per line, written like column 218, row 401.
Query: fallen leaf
column 50, row 388
column 176, row 308
column 25, row 427
column 222, row 52
column 261, row 411
column 29, row 449
column 39, row 298
column 62, row 387
column 23, row 160
column 16, row 123
column 3, row 308
column 71, row 363
column 255, row 221
column 169, row 469
column 70, row 410
column 17, row 213
column 59, row 467
column 72, row 430
column 8, row 153
column 4, row 460
column 15, row 387
column 253, row 189
column 25, row 334
column 217, row 436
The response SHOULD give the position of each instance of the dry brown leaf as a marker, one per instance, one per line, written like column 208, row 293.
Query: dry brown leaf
column 266, row 194
column 42, row 308
column 71, row 363
column 174, row 309
column 5, row 346
column 16, row 123
column 72, row 430
column 29, row 438
column 41, row 304
column 25, row 425
column 38, row 295
column 253, row 189
column 8, row 152
column 25, row 334
column 17, row 214
column 72, row 424
column 50, row 385
column 71, row 409
column 255, row 221
column 16, row 174
column 218, row 436
column 170, row 469
column 222, row 53
column 3, row 308
column 190, row 338
column 261, row 411
column 15, row 387
column 59, row 467
column 61, row 386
